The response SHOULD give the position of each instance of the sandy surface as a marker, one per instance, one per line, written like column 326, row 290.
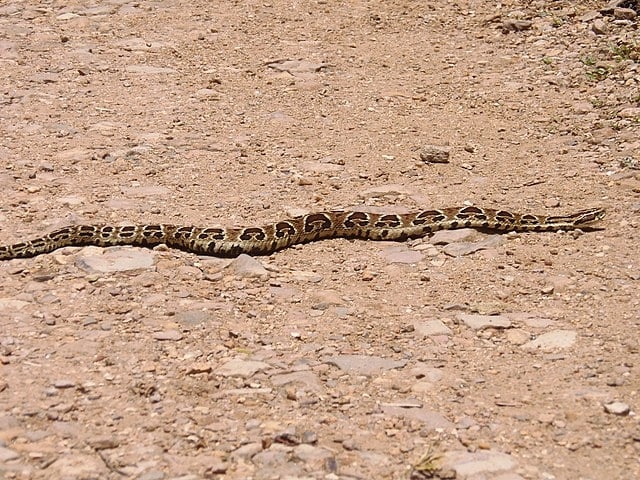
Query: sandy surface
column 340, row 359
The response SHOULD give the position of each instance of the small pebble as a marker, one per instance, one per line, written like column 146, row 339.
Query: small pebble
column 617, row 408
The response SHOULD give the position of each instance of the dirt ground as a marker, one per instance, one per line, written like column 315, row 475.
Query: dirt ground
column 469, row 356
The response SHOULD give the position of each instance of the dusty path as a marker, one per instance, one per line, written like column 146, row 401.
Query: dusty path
column 502, row 357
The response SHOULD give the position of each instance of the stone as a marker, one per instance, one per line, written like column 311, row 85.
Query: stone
column 428, row 418
column 467, row 248
column 191, row 318
column 599, row 27
column 435, row 154
column 78, row 465
column 481, row 322
column 246, row 451
column 272, row 457
column 617, row 408
column 72, row 156
column 296, row 66
column 247, row 267
column 64, row 383
column 310, row 453
column 114, row 259
column 444, row 237
column 306, row 379
column 11, row 304
column 609, row 7
column 386, row 190
column 516, row 25
column 477, row 464
column 241, row 368
column 6, row 454
column 401, row 254
column 323, row 299
column 302, row 276
column 624, row 13
column 557, row 339
column 167, row 335
column 630, row 112
column 432, row 327
column 517, row 336
column 103, row 442
column 363, row 364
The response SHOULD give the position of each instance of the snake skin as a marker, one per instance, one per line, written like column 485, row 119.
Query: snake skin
column 230, row 242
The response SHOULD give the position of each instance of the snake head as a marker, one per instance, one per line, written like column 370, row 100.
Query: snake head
column 589, row 216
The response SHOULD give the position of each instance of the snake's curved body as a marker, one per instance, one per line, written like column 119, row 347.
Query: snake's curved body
column 264, row 240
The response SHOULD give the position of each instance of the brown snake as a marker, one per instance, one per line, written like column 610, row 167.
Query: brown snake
column 230, row 242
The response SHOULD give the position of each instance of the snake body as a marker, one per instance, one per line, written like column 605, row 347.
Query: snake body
column 264, row 240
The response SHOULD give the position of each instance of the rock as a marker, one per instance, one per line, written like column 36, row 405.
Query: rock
column 617, row 408
column 198, row 368
column 432, row 327
column 167, row 335
column 557, row 339
column 152, row 475
column 435, row 154
column 323, row 299
column 428, row 418
column 247, row 267
column 296, row 66
column 11, row 304
column 64, row 383
column 114, row 259
column 588, row 16
column 386, row 190
column 103, row 442
column 516, row 25
column 8, row 50
column 78, row 466
column 582, row 108
column 532, row 320
column 241, row 368
column 408, row 403
column 599, row 27
column 624, row 14
column 609, row 7
column 302, row 276
column 246, row 451
column 6, row 454
column 517, row 336
column 401, row 254
column 363, row 364
column 191, row 318
column 307, row 379
column 309, row 453
column 322, row 167
column 72, row 156
column 425, row 373
column 481, row 322
column 273, row 457
column 630, row 112
column 212, row 466
column 444, row 237
column 467, row 248
column 478, row 464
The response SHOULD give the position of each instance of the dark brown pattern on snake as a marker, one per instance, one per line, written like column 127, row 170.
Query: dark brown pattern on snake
column 230, row 242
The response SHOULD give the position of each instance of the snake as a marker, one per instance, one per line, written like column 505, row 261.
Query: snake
column 269, row 238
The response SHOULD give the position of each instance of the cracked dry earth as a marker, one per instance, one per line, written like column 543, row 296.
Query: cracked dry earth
column 464, row 355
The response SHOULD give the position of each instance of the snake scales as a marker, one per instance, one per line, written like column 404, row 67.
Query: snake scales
column 230, row 242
